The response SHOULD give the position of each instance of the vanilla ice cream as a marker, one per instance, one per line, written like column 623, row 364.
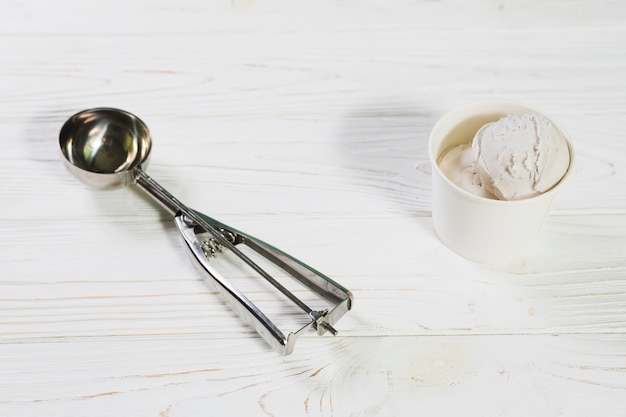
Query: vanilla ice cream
column 457, row 163
column 517, row 157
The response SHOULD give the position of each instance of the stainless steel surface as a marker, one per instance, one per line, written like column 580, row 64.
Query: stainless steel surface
column 106, row 147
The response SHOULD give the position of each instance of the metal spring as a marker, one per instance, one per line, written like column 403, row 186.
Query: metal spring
column 211, row 246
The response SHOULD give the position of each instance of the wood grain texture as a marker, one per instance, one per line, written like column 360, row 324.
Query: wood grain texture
column 306, row 124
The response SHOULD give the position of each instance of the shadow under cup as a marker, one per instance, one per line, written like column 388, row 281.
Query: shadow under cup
column 474, row 227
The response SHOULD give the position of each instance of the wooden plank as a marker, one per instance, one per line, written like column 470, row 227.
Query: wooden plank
column 403, row 279
column 400, row 376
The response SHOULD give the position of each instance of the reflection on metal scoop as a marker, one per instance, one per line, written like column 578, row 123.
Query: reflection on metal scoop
column 106, row 147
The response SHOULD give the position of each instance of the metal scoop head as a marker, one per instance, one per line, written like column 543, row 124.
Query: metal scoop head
column 103, row 146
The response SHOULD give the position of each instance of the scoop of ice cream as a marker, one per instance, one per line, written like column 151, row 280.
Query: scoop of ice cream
column 457, row 164
column 520, row 156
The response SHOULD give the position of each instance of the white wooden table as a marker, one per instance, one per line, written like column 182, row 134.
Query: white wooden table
column 305, row 123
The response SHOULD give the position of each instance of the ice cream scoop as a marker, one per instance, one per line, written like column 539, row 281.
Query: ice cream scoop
column 520, row 156
column 107, row 147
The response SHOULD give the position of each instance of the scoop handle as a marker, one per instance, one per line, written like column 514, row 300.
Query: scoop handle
column 189, row 221
column 158, row 193
column 320, row 320
column 178, row 209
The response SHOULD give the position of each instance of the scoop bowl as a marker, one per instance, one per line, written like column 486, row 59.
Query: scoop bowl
column 103, row 147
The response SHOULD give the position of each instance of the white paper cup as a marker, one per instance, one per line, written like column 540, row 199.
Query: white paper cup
column 474, row 227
